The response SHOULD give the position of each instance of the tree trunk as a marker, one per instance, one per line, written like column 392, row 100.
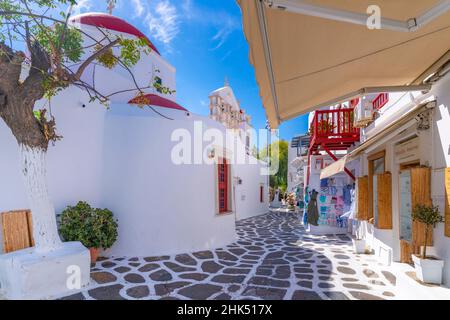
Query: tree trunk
column 426, row 242
column 45, row 230
column 18, row 115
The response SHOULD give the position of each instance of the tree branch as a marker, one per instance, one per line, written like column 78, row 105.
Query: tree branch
column 88, row 61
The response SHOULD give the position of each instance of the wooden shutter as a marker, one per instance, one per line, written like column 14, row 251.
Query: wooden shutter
column 447, row 202
column 17, row 230
column 363, row 198
column 384, row 190
column 223, row 185
column 420, row 194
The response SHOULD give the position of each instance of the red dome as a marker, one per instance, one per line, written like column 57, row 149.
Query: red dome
column 155, row 100
column 107, row 21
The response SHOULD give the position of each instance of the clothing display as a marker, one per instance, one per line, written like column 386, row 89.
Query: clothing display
column 313, row 212
column 347, row 194
column 305, row 212
column 334, row 201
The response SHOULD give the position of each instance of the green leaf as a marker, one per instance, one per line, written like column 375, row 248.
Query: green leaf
column 94, row 228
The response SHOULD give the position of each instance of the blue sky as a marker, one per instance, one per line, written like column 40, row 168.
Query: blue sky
column 204, row 40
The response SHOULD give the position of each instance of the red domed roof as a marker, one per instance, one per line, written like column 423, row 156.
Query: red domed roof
column 107, row 21
column 155, row 100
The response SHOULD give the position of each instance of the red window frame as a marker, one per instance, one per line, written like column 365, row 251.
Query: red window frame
column 222, row 169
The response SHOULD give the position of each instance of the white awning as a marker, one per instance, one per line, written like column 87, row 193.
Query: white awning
column 334, row 168
column 316, row 52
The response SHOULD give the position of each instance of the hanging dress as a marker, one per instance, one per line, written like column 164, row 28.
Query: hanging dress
column 313, row 211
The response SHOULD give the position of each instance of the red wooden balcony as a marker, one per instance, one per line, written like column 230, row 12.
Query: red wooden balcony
column 333, row 130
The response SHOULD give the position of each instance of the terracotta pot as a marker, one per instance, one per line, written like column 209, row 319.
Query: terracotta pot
column 94, row 254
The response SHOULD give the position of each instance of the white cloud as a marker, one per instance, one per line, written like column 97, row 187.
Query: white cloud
column 138, row 8
column 228, row 26
column 81, row 5
column 163, row 22
column 221, row 37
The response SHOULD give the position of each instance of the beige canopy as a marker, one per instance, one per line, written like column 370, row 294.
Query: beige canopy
column 303, row 61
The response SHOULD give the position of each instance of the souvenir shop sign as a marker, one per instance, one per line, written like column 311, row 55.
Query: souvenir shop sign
column 407, row 151
column 447, row 202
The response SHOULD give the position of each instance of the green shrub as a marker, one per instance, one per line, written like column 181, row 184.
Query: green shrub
column 94, row 228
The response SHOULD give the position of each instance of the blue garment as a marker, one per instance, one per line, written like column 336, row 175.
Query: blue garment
column 305, row 218
column 347, row 195
column 324, row 183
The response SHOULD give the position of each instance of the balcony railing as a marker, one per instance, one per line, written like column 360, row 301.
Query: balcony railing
column 334, row 124
column 380, row 101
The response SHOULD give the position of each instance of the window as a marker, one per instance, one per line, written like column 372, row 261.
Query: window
column 261, row 194
column 223, row 185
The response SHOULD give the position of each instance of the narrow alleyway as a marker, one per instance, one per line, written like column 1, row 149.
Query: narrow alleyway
column 273, row 258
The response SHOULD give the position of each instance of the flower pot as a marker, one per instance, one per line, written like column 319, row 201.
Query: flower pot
column 94, row 254
column 359, row 245
column 428, row 270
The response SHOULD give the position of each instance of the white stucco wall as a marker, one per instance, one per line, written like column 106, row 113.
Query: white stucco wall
column 120, row 159
column 162, row 208
column 247, row 194
column 440, row 159
column 292, row 179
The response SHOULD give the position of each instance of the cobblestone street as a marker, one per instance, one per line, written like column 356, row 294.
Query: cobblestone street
column 273, row 258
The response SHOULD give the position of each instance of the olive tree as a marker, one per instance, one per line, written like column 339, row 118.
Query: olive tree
column 38, row 51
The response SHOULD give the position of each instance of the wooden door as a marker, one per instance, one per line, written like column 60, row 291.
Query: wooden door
column 420, row 194
column 418, row 191
column 363, row 198
column 223, row 185
column 405, row 219
column 384, row 199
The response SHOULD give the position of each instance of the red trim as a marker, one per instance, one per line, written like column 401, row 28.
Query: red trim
column 222, row 168
column 110, row 22
column 354, row 103
column 380, row 101
column 155, row 100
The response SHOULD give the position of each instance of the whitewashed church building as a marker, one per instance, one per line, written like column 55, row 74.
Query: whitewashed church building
column 122, row 158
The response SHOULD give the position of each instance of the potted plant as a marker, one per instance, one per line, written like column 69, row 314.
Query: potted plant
column 359, row 244
column 291, row 200
column 428, row 268
column 94, row 228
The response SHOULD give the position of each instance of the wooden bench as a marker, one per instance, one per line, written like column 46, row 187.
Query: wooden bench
column 17, row 227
